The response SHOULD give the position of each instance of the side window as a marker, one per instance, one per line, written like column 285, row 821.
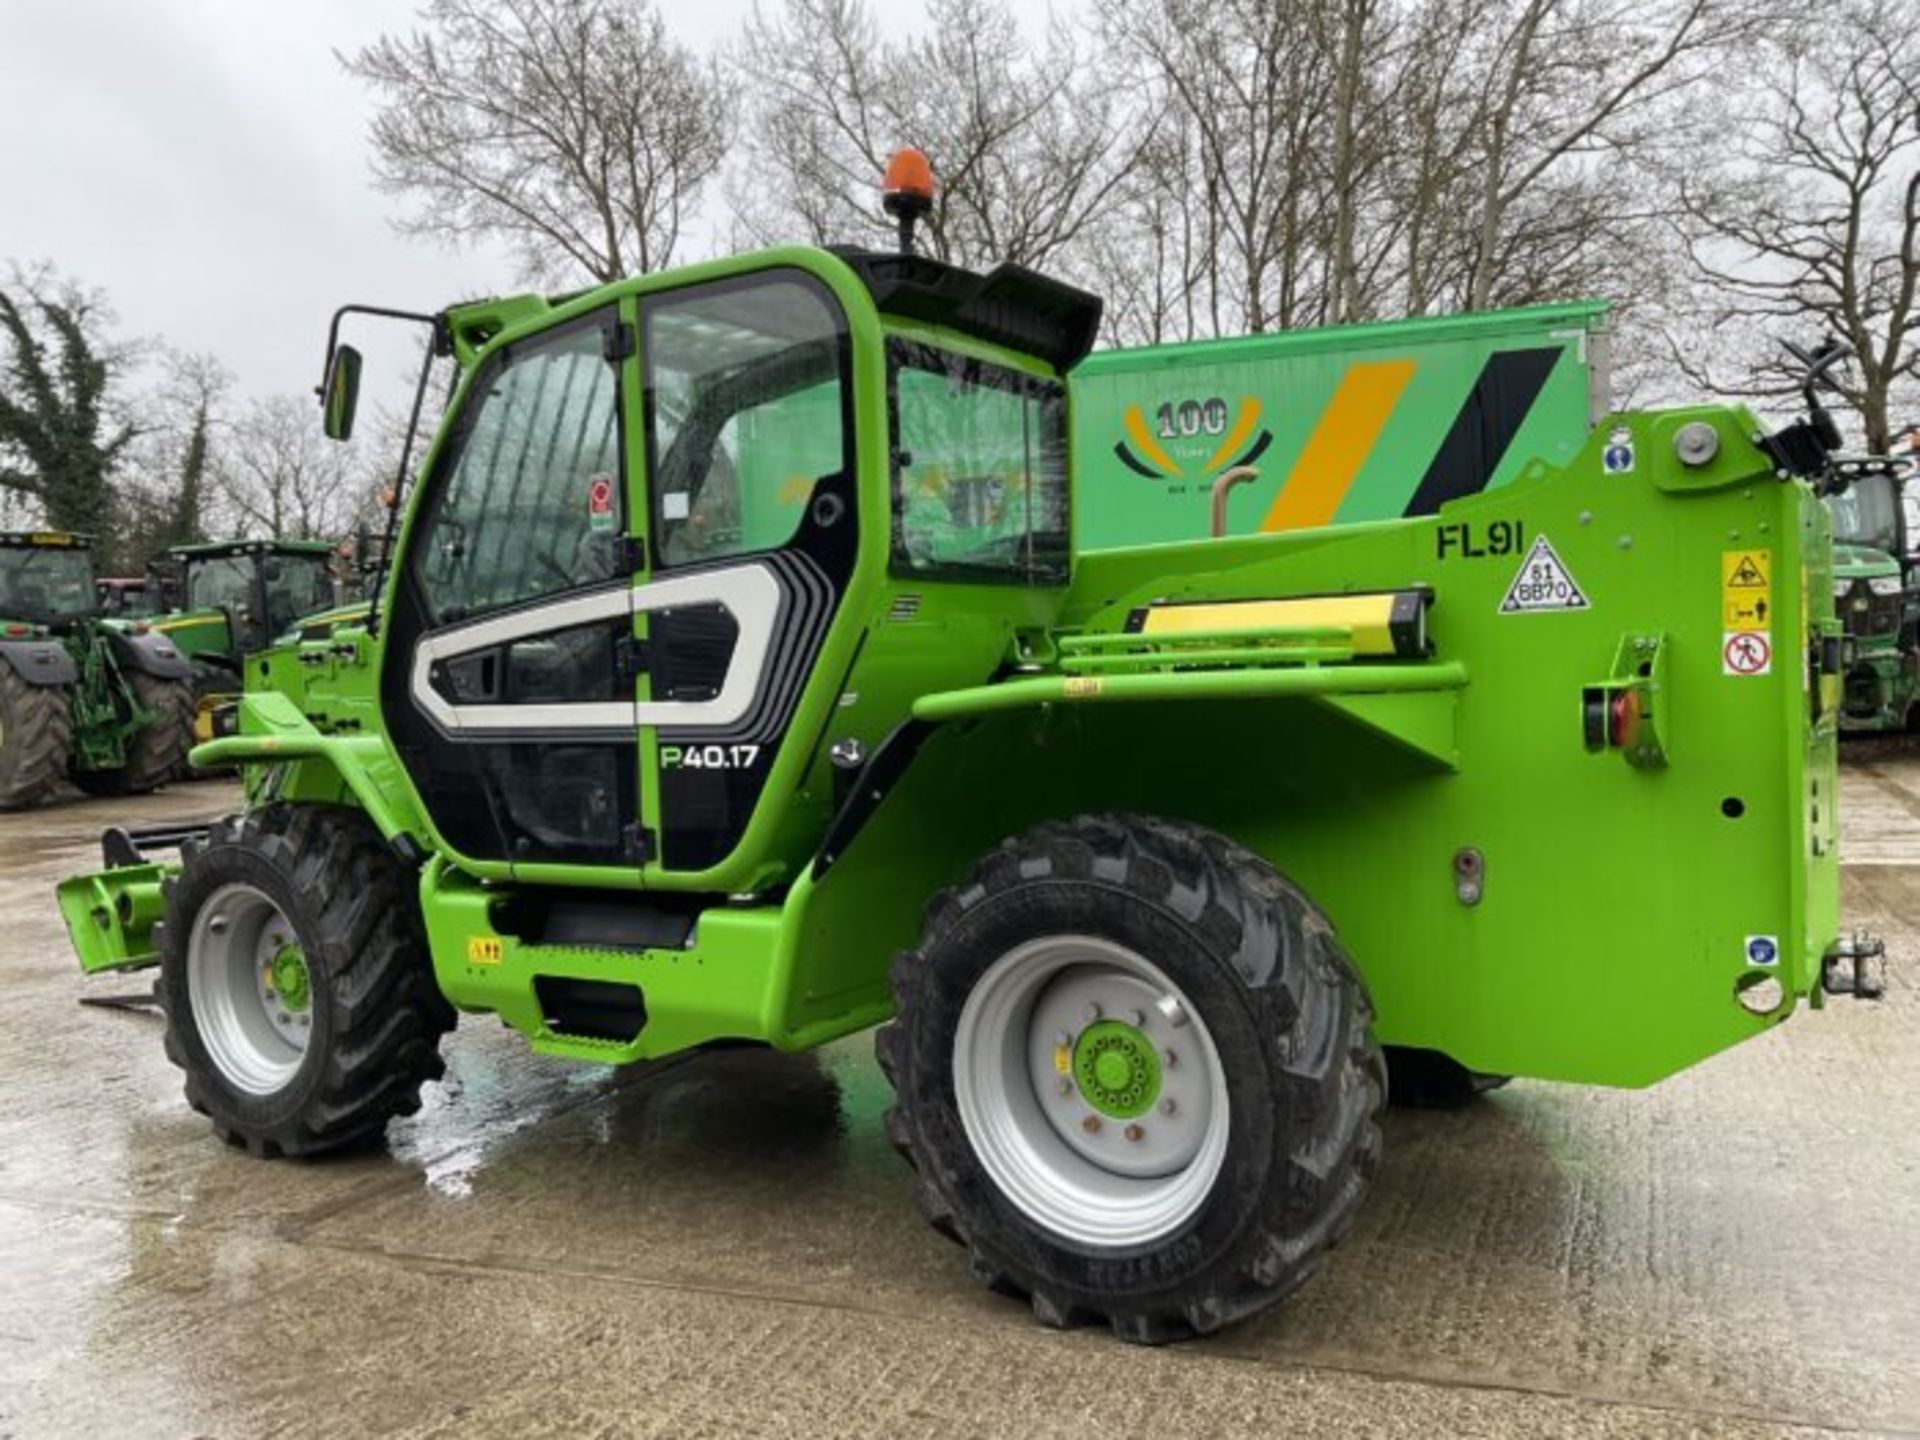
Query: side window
column 530, row 503
column 979, row 470
column 746, row 411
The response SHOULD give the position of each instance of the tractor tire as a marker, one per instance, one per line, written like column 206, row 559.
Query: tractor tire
column 208, row 680
column 158, row 752
column 299, row 996
column 36, row 731
column 1079, row 1018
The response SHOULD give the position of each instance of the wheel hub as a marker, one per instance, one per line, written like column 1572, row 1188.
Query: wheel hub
column 287, row 978
column 249, row 988
column 1090, row 1090
column 1117, row 1070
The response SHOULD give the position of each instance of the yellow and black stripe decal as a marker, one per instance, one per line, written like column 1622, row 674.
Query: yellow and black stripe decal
column 1477, row 441
column 1339, row 445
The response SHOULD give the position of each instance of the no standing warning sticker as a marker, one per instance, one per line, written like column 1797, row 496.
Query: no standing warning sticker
column 1543, row 584
column 1746, row 652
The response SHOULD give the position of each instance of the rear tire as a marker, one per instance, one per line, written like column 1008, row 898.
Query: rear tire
column 36, row 732
column 299, row 996
column 1126, row 1220
column 157, row 752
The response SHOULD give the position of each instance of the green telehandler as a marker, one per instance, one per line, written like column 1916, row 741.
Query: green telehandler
column 734, row 677
column 101, row 702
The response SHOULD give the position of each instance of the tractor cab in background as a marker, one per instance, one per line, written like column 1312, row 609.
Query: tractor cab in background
column 1874, row 589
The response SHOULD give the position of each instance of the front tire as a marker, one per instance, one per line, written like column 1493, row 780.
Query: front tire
column 36, row 732
column 1136, row 1075
column 299, row 997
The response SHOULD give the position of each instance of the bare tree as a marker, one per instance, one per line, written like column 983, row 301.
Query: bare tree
column 282, row 479
column 576, row 130
column 1814, row 225
column 1028, row 146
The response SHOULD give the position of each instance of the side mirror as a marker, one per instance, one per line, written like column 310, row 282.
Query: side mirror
column 340, row 392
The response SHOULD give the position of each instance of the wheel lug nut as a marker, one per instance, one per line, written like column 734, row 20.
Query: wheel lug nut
column 284, row 1017
column 1134, row 1133
column 1091, row 1124
column 1172, row 1059
column 1064, row 1085
column 1092, row 1012
column 1062, row 1039
column 1137, row 1018
column 1166, row 1107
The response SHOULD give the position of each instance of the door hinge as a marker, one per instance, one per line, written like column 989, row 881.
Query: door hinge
column 630, row 657
column 616, row 341
column 636, row 843
column 633, row 553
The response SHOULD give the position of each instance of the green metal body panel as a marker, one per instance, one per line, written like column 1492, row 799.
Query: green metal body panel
column 1627, row 892
column 1346, row 423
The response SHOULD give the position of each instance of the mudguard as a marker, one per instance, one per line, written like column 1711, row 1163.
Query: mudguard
column 150, row 653
column 39, row 662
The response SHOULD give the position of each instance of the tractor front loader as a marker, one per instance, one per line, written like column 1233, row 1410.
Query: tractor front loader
column 100, row 702
column 734, row 677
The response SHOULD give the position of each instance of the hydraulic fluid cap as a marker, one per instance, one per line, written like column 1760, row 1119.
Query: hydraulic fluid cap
column 1117, row 1069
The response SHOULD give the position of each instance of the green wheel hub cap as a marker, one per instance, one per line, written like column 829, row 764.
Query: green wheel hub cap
column 290, row 977
column 1117, row 1069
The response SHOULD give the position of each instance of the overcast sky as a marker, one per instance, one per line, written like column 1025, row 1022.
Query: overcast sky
column 205, row 163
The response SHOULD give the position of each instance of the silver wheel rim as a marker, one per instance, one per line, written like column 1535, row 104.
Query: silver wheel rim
column 1100, row 1184
column 256, row 1036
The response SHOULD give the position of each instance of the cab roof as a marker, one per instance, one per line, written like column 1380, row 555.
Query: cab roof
column 47, row 539
column 219, row 549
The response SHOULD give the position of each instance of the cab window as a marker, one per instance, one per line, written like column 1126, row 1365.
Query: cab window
column 979, row 470
column 529, row 503
column 746, row 412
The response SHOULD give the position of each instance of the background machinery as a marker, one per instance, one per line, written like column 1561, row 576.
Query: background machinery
column 102, row 702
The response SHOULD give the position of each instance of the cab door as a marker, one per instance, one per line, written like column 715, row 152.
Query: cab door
column 509, row 677
column 753, row 542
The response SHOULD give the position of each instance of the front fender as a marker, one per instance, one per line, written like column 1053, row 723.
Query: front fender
column 39, row 662
column 304, row 763
column 149, row 653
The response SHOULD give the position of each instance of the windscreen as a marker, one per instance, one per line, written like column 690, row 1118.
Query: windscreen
column 1866, row 513
column 225, row 583
column 45, row 585
column 296, row 587
column 980, row 470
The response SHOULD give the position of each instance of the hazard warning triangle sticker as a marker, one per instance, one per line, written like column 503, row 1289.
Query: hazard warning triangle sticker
column 1543, row 584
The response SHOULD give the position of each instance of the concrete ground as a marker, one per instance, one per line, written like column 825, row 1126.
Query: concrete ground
column 725, row 1245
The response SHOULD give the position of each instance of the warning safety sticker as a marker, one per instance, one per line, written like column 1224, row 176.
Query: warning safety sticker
column 1543, row 583
column 1746, row 589
column 1746, row 652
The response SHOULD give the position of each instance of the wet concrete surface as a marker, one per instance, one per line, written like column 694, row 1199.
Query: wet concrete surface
column 725, row 1245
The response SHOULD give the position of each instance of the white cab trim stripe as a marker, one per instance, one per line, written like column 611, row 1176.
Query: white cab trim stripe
column 749, row 592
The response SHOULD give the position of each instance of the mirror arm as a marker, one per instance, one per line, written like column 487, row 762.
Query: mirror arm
column 388, row 538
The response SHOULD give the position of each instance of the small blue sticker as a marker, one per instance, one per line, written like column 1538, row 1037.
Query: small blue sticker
column 1617, row 458
column 1763, row 950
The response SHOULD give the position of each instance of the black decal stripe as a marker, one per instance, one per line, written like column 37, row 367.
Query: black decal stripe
column 1494, row 411
column 1126, row 459
column 1256, row 450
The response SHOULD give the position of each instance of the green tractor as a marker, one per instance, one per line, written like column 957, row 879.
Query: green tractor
column 236, row 597
column 101, row 702
column 1875, row 591
column 734, row 677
